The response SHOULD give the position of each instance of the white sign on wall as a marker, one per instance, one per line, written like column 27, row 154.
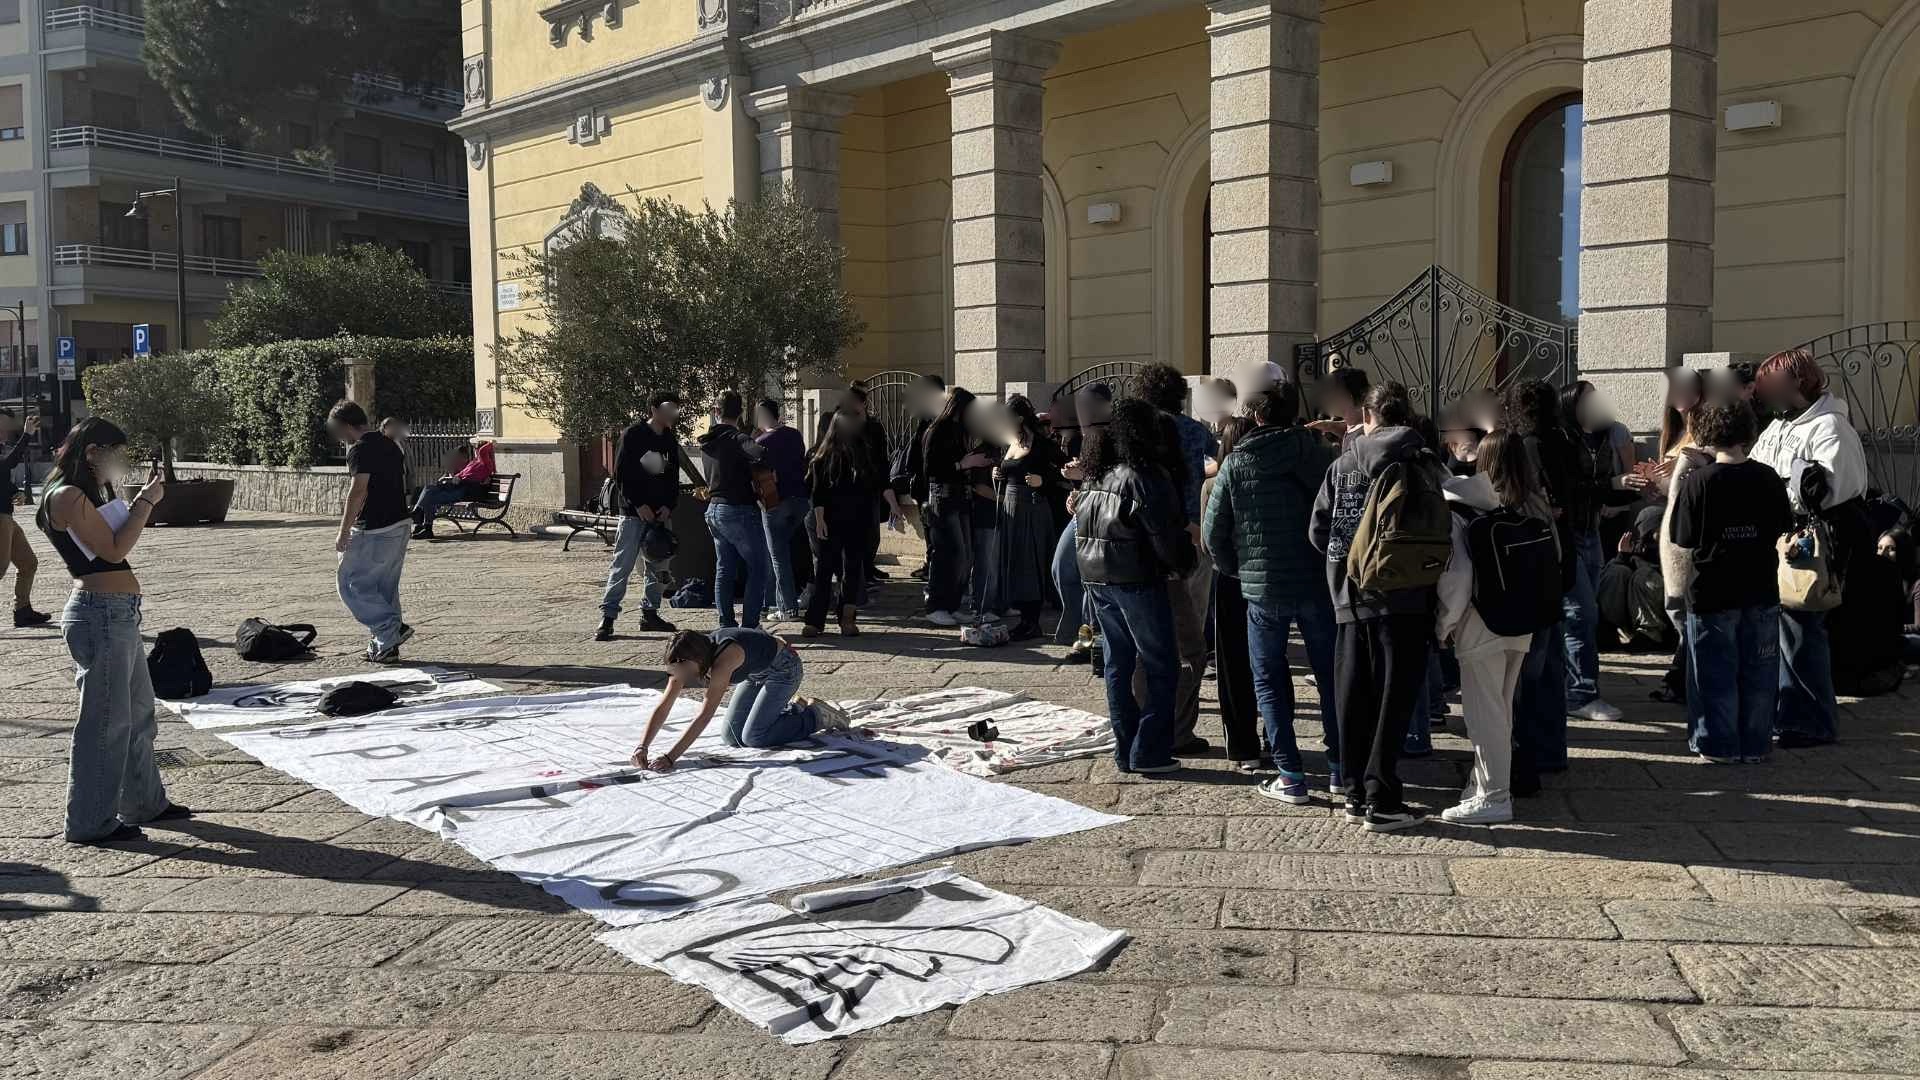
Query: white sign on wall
column 507, row 295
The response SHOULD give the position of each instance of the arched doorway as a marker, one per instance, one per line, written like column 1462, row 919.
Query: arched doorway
column 1540, row 214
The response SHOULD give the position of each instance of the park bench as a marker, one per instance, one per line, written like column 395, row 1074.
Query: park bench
column 579, row 521
column 489, row 510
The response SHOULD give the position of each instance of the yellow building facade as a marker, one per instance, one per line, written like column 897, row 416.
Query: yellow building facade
column 1027, row 191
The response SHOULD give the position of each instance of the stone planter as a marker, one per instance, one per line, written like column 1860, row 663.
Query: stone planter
column 191, row 502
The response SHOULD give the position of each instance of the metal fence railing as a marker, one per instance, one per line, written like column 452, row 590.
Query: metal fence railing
column 95, row 18
column 431, row 445
column 135, row 259
column 87, row 136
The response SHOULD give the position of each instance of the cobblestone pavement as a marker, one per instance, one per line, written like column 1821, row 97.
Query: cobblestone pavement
column 1653, row 919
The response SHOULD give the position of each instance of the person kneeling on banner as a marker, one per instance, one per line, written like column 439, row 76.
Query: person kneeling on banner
column 764, row 711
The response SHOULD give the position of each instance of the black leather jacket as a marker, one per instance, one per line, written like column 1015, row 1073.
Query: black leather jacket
column 1131, row 528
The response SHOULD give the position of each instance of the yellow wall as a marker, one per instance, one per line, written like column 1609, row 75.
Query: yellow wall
column 522, row 58
column 654, row 151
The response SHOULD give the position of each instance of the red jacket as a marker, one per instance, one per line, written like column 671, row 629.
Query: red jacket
column 480, row 469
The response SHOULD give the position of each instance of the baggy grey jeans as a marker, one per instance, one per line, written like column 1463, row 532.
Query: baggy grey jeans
column 112, row 776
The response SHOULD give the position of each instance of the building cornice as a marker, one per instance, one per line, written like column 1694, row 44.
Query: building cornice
column 677, row 68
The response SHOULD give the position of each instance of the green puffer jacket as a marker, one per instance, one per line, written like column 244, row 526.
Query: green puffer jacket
column 1256, row 522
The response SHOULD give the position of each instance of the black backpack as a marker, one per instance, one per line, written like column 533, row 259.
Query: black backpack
column 258, row 639
column 176, row 666
column 356, row 699
column 1516, row 572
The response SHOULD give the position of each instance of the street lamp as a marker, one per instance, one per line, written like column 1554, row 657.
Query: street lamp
column 138, row 212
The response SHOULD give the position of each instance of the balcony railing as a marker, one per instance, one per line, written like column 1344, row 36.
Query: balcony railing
column 136, row 259
column 388, row 85
column 95, row 18
column 87, row 137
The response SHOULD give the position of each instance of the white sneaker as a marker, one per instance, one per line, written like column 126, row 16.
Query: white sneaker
column 1479, row 811
column 1596, row 710
column 832, row 717
column 943, row 618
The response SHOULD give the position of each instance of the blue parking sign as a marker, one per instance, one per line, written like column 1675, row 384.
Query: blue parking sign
column 143, row 340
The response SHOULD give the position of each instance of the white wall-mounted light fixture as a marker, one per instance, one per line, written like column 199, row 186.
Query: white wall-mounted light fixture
column 1753, row 116
column 1371, row 174
column 1103, row 213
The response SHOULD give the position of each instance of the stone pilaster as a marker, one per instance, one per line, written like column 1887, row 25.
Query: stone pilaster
column 1646, row 205
column 799, row 128
column 1265, row 150
column 999, row 238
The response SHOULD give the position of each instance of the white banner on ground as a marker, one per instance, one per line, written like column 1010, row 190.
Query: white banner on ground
column 1029, row 732
column 292, row 702
column 540, row 786
column 845, row 960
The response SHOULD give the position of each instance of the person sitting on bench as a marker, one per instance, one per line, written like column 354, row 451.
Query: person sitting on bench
column 471, row 483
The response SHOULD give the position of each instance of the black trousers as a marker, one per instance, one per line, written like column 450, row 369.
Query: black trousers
column 843, row 555
column 1239, row 710
column 949, row 521
column 1379, row 667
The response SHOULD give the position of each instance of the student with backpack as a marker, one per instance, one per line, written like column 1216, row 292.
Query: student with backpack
column 1730, row 513
column 1382, row 523
column 1500, row 589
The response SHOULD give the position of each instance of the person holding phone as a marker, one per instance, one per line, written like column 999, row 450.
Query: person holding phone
column 14, row 439
column 113, row 783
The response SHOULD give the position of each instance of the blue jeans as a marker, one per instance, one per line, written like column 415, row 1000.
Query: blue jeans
column 369, row 579
column 433, row 497
column 1733, row 681
column 1540, row 706
column 1581, row 609
column 1267, row 627
column 626, row 556
column 1806, row 705
column 949, row 520
column 112, row 774
column 1136, row 627
column 1066, row 581
column 1432, row 699
column 739, row 548
column 761, row 714
column 781, row 523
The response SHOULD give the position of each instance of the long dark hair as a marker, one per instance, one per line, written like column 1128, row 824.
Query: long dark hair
column 1570, row 404
column 1531, row 407
column 70, row 466
column 1029, row 429
column 840, row 450
column 951, row 422
column 1133, row 438
column 1232, row 430
column 1507, row 464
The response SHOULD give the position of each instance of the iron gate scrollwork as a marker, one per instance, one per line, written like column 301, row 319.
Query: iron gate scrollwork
column 1444, row 339
column 1119, row 375
column 1871, row 368
column 887, row 402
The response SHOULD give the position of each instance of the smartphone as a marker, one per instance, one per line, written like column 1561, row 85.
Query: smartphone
column 155, row 470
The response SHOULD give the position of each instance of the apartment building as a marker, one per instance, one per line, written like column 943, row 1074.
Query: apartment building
column 84, row 130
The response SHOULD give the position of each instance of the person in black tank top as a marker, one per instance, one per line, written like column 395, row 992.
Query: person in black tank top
column 114, row 784
column 763, row 711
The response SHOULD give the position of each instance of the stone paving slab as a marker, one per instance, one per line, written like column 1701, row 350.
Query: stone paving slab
column 1429, row 1025
column 283, row 935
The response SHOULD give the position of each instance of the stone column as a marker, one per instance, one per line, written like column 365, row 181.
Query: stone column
column 999, row 238
column 1646, row 204
column 360, row 384
column 1265, row 150
column 799, row 128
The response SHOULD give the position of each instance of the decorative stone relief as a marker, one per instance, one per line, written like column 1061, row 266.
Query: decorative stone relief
column 473, row 79
column 477, row 153
column 712, row 13
column 569, row 15
column 714, row 92
column 483, row 422
column 589, row 128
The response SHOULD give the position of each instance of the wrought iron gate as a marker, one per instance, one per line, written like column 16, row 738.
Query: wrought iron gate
column 1444, row 339
column 1119, row 375
column 887, row 401
column 1871, row 368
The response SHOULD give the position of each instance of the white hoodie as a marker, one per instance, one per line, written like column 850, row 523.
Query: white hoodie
column 1823, row 434
column 1457, row 620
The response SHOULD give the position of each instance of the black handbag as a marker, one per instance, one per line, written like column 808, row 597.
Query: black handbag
column 177, row 668
column 260, row 640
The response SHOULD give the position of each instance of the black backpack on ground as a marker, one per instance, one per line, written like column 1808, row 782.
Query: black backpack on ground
column 356, row 699
column 176, row 666
column 258, row 639
column 1516, row 571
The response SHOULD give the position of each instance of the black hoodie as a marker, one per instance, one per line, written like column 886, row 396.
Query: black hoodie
column 1336, row 514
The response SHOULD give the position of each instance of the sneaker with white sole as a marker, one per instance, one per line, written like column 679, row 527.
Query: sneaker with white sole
column 1479, row 811
column 1289, row 788
column 1393, row 820
column 943, row 618
column 1356, row 812
column 1596, row 710
column 391, row 654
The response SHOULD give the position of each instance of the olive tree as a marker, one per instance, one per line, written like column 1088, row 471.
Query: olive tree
column 666, row 298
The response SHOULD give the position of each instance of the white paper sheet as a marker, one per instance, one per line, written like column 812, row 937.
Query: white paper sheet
column 540, row 786
column 293, row 702
column 115, row 514
column 1031, row 732
column 850, row 959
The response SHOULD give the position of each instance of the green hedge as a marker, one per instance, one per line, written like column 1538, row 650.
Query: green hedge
column 280, row 393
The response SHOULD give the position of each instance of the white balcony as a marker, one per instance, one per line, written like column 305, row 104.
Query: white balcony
column 131, row 271
column 240, row 169
column 95, row 18
column 135, row 259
